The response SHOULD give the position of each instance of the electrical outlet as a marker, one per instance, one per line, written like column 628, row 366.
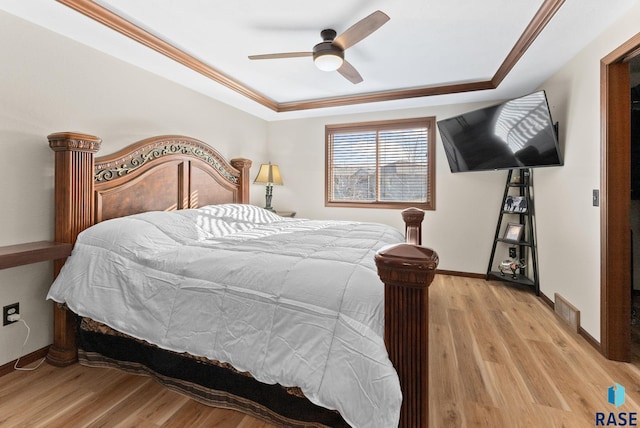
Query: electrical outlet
column 12, row 309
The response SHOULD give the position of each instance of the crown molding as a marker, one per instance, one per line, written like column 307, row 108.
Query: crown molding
column 106, row 17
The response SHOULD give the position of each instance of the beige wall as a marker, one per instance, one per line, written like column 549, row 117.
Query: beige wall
column 49, row 84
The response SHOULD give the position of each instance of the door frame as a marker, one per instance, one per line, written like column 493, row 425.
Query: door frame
column 615, row 198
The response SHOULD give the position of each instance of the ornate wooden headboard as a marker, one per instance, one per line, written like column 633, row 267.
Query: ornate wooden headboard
column 157, row 174
column 166, row 173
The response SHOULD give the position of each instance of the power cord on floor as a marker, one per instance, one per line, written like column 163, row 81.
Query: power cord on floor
column 16, row 317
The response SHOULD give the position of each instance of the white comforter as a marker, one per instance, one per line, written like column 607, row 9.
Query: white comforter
column 295, row 302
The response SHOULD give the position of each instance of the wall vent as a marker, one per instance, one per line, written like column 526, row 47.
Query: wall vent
column 567, row 312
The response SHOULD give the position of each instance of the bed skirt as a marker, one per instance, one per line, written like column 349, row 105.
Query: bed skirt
column 209, row 382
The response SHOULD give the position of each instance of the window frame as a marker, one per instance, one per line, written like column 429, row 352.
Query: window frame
column 376, row 126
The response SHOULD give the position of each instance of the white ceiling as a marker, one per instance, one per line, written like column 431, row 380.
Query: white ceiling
column 426, row 43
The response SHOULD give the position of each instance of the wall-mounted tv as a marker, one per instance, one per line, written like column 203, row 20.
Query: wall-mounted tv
column 515, row 134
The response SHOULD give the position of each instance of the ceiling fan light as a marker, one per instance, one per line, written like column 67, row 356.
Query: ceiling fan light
column 328, row 62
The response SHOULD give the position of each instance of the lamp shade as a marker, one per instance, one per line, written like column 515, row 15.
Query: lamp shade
column 269, row 174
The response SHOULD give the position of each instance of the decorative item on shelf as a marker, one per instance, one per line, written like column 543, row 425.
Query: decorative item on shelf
column 512, row 266
column 515, row 204
column 513, row 232
column 269, row 174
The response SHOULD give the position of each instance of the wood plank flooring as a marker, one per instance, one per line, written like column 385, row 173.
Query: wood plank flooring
column 499, row 357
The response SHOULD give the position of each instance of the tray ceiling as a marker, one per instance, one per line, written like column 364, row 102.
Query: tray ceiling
column 429, row 52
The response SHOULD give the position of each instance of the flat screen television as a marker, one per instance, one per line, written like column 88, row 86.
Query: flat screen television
column 518, row 133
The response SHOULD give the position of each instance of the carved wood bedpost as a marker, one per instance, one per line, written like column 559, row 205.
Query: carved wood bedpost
column 407, row 270
column 74, row 162
column 413, row 225
column 243, row 165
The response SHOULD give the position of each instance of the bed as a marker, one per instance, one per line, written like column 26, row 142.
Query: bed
column 163, row 204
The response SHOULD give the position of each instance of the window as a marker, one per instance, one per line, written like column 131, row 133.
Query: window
column 388, row 164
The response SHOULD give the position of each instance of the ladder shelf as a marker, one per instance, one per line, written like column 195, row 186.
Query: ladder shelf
column 516, row 229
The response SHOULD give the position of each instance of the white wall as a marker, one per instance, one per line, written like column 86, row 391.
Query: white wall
column 48, row 84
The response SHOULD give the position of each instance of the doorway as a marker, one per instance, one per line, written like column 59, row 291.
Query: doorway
column 615, row 233
column 634, row 212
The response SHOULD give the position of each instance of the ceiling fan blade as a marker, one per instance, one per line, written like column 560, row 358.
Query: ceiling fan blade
column 281, row 55
column 361, row 29
column 350, row 73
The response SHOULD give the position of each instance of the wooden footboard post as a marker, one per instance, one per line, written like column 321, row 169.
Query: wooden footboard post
column 413, row 225
column 407, row 270
column 74, row 155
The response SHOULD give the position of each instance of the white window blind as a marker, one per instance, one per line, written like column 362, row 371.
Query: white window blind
column 381, row 163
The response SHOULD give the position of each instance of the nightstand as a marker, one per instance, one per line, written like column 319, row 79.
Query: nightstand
column 286, row 213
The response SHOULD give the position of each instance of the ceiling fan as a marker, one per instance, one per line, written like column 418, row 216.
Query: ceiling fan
column 328, row 55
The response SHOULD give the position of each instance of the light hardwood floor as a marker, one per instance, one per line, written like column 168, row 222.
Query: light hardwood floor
column 498, row 358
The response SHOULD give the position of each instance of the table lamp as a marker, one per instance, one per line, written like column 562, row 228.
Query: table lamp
column 269, row 174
